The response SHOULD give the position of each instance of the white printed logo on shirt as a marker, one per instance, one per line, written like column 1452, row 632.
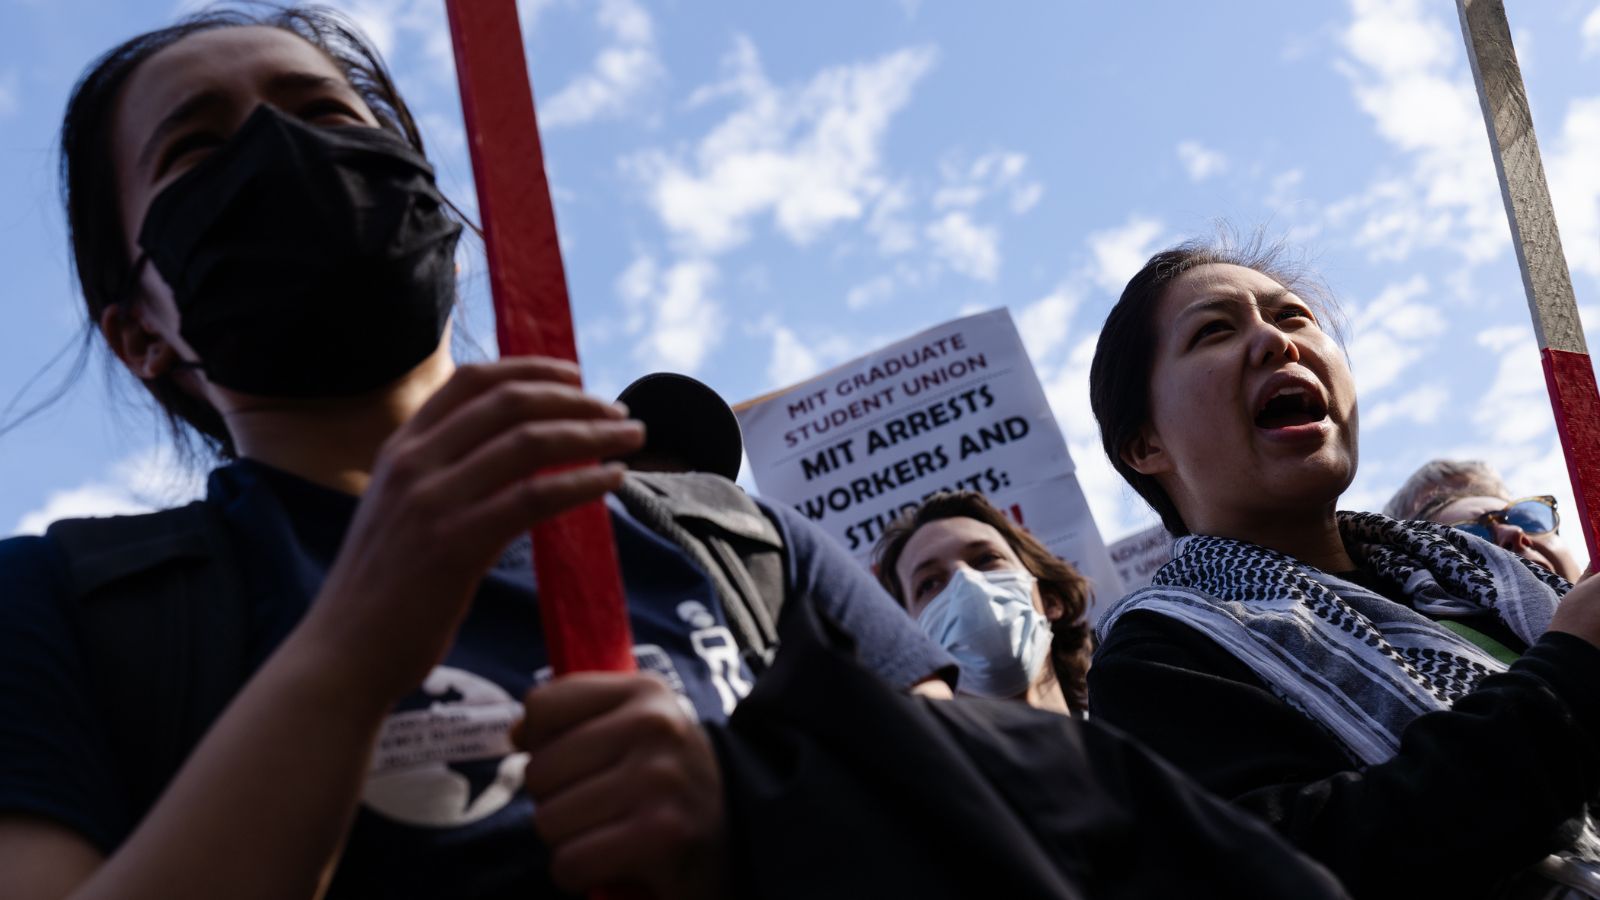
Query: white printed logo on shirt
column 717, row 649
column 411, row 780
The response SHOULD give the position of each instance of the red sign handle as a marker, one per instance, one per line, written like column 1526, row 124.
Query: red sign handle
column 581, row 601
column 574, row 557
column 1570, row 378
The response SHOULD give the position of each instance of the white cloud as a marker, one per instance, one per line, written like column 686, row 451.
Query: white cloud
column 1516, row 408
column 1200, row 161
column 1066, row 386
column 969, row 248
column 530, row 11
column 622, row 73
column 1515, row 414
column 1026, row 197
column 396, row 26
column 1119, row 252
column 144, row 482
column 1000, row 171
column 1391, row 333
column 1591, row 32
column 794, row 356
column 809, row 156
column 1420, row 406
column 963, row 196
column 636, row 285
column 87, row 500
column 1408, row 74
column 378, row 20
column 894, row 233
column 792, row 361
column 1501, row 338
column 1285, row 187
column 671, row 312
column 870, row 292
column 880, row 288
column 1575, row 184
column 1117, row 509
column 1044, row 324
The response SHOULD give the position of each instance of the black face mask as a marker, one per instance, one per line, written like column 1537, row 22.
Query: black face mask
column 306, row 261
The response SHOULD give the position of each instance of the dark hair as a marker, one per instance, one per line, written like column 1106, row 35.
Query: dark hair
column 1059, row 582
column 88, row 177
column 1119, row 377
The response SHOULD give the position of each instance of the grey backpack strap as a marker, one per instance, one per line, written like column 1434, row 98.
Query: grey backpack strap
column 729, row 537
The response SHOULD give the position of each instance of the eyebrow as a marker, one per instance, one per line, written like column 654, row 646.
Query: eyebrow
column 205, row 101
column 192, row 106
column 1216, row 302
column 911, row 580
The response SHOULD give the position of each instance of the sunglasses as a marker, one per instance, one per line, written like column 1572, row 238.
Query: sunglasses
column 1534, row 515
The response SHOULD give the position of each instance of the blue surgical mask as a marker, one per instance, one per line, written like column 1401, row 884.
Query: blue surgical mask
column 986, row 620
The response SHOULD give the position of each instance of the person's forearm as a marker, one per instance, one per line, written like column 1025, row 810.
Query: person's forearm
column 261, row 806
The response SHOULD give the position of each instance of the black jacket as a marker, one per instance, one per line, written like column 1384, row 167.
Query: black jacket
column 1474, row 795
column 840, row 787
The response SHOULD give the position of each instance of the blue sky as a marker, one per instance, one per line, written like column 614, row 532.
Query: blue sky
column 754, row 192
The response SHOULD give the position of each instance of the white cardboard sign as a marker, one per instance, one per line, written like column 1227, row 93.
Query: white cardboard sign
column 957, row 406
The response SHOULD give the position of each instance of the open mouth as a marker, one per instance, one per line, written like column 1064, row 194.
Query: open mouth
column 1291, row 405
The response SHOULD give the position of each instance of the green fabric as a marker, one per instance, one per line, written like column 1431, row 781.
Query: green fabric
column 1482, row 641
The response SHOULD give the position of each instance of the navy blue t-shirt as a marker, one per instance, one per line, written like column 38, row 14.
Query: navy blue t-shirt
column 443, row 812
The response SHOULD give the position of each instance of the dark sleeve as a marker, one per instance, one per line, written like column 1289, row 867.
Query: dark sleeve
column 819, row 571
column 1183, row 841
column 1473, row 795
column 54, row 758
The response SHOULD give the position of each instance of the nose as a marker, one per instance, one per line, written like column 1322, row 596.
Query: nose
column 1268, row 342
column 1510, row 537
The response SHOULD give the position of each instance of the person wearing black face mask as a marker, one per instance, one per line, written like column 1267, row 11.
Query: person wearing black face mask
column 333, row 241
column 311, row 677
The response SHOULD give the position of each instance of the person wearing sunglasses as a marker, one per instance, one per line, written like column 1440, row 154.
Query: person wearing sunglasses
column 1469, row 495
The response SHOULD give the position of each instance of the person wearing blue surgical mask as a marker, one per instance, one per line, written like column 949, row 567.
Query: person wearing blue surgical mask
column 1008, row 610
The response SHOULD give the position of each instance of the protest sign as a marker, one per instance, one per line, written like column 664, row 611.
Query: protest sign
column 957, row 407
column 1139, row 555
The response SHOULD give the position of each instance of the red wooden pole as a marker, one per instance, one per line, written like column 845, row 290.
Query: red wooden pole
column 574, row 557
column 1568, row 372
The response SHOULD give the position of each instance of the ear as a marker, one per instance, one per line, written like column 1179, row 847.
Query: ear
column 1145, row 455
column 146, row 354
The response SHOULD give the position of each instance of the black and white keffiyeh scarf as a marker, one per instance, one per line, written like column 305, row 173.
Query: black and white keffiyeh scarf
column 1360, row 664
